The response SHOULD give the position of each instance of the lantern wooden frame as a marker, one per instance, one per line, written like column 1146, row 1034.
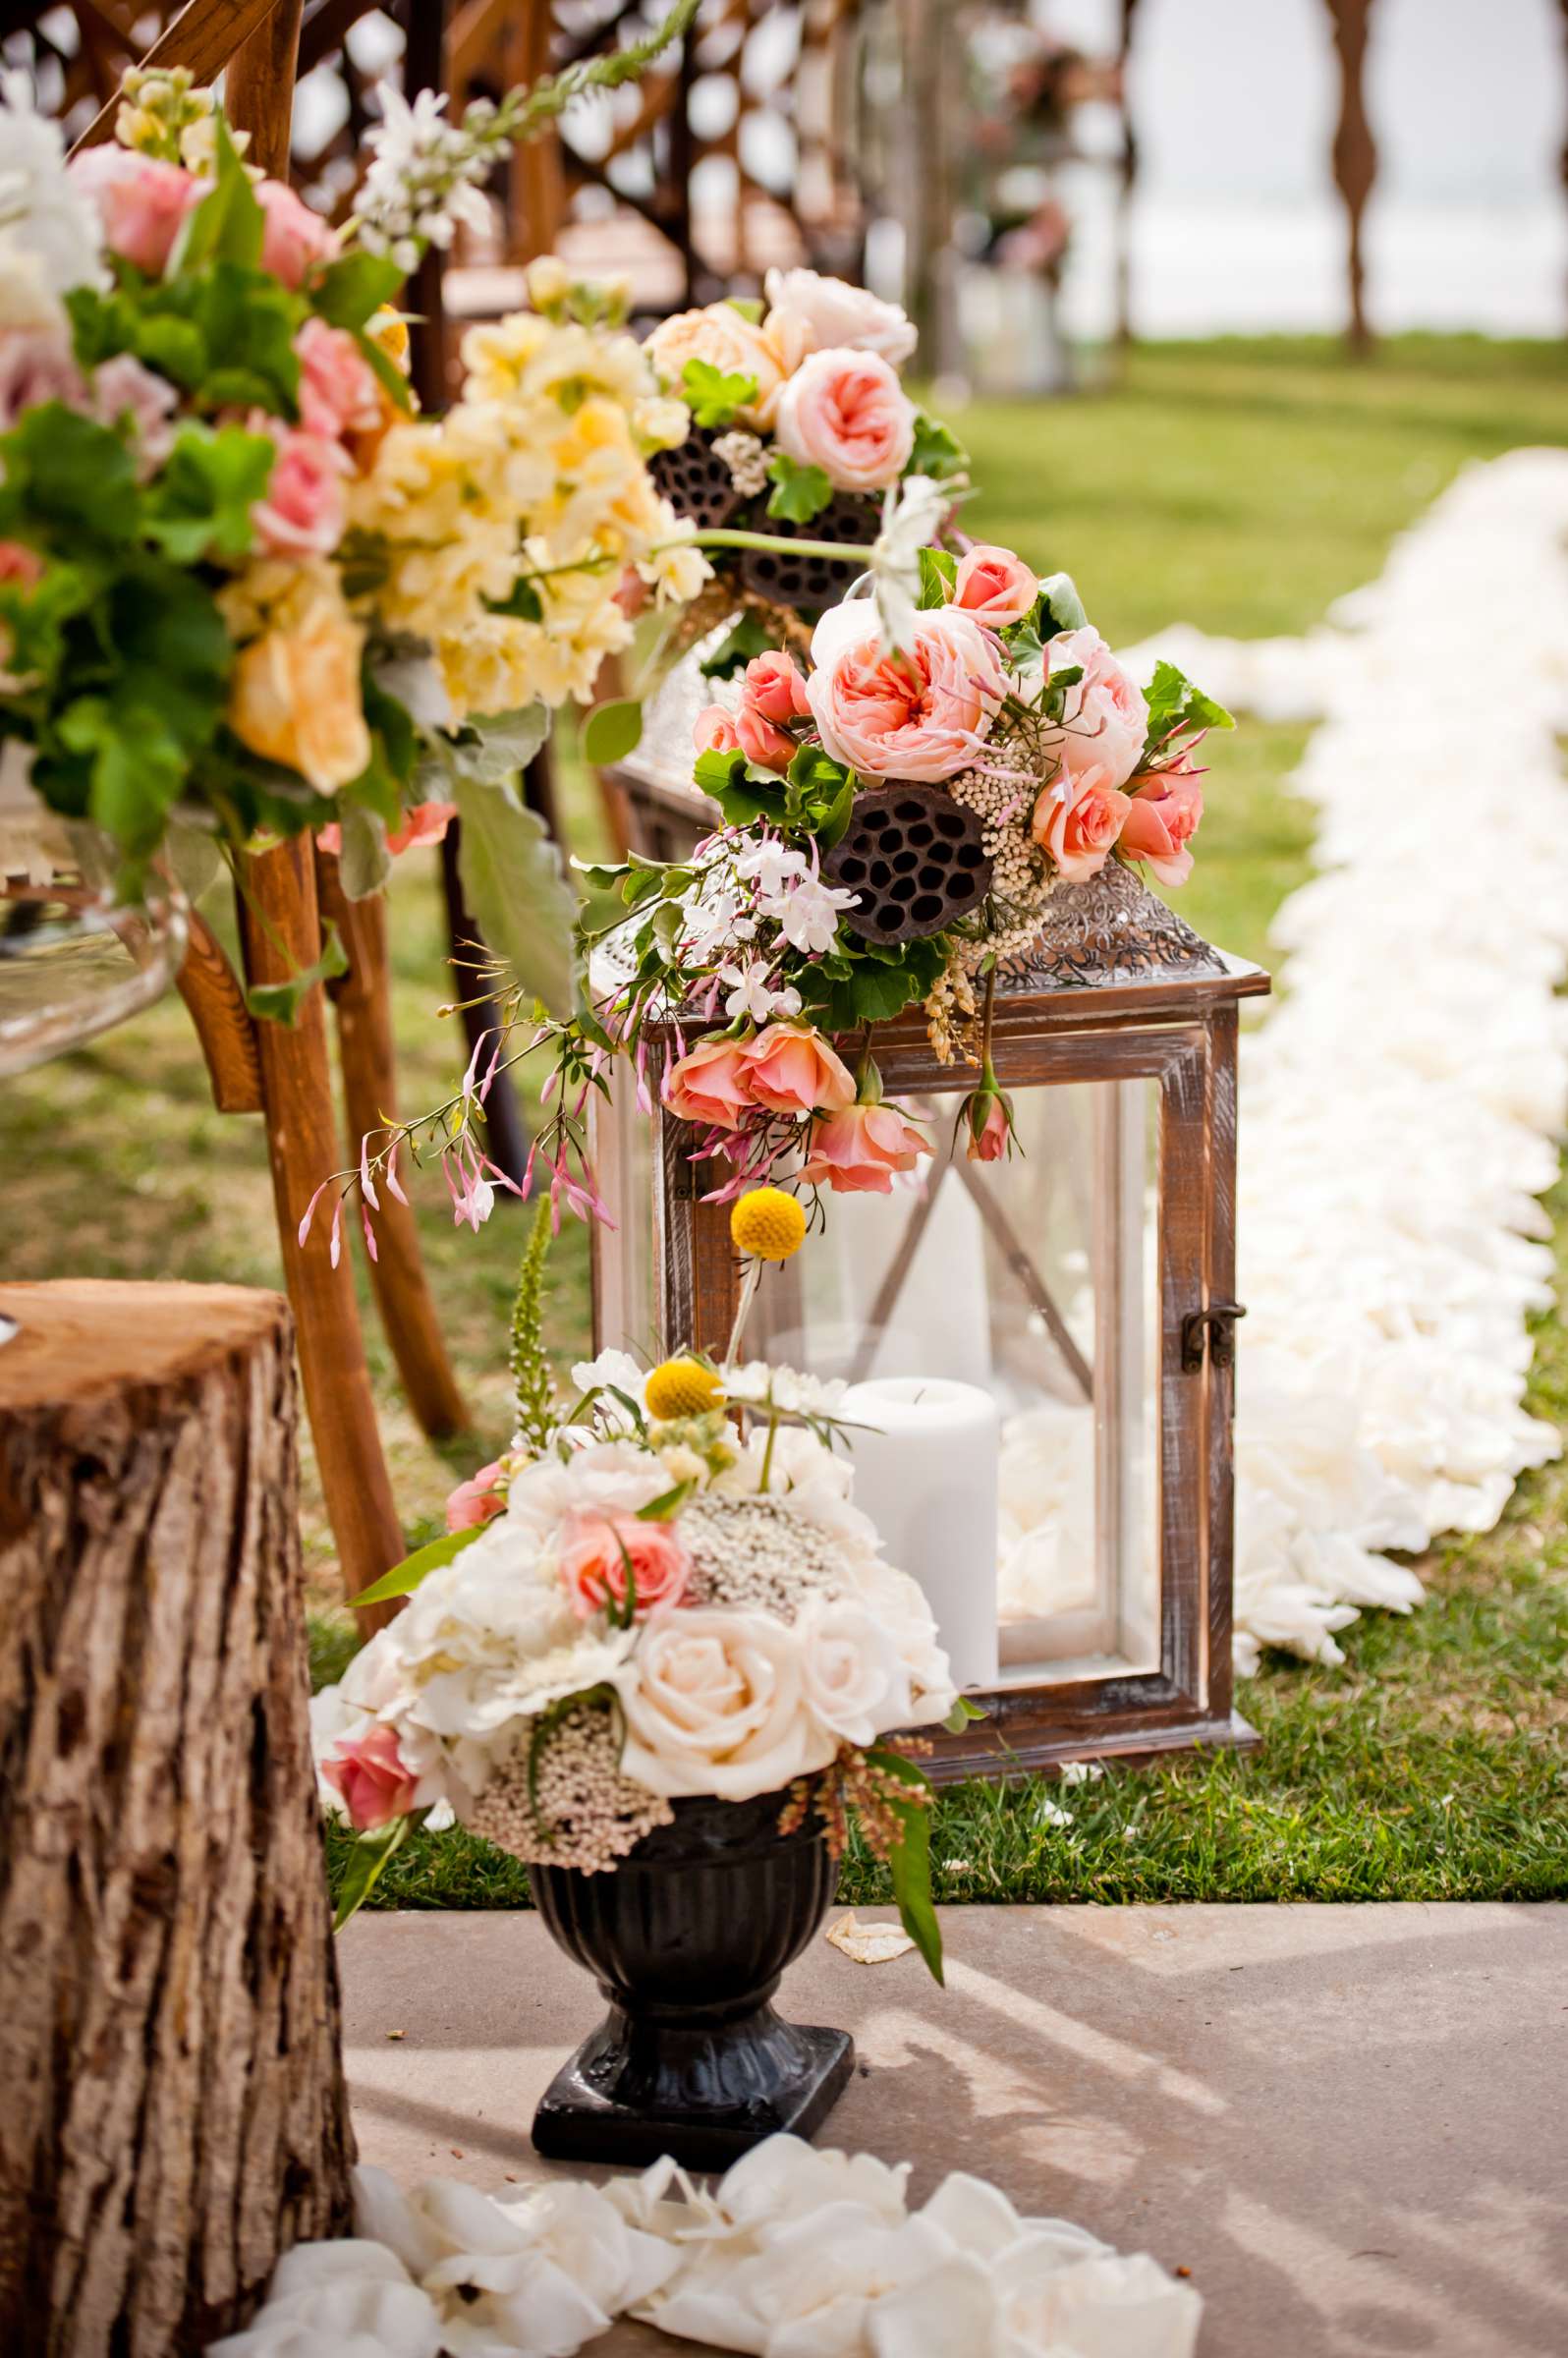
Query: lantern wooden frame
column 1118, row 989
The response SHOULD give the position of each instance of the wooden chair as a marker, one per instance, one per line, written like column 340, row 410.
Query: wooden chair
column 284, row 1073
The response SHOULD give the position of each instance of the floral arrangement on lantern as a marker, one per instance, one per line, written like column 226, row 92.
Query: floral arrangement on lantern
column 799, row 427
column 664, row 1590
column 242, row 582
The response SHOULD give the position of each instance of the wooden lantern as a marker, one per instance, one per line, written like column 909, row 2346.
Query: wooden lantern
column 1088, row 1283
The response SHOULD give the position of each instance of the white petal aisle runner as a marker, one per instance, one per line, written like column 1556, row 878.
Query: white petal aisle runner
column 1400, row 1108
column 794, row 2254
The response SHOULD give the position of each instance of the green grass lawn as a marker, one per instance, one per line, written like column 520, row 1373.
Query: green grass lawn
column 1241, row 486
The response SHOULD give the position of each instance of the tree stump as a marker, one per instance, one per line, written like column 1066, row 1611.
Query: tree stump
column 174, row 2110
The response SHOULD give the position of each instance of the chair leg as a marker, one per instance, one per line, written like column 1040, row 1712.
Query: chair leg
column 363, row 1003
column 280, row 928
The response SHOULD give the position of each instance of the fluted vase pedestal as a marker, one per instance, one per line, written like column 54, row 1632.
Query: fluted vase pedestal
column 688, row 1940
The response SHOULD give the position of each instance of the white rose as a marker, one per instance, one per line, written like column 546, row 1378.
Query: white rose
column 715, row 1704
column 899, row 1604
column 855, row 1682
column 808, row 313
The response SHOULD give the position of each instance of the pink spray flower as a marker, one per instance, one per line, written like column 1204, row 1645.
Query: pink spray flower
column 142, row 201
column 367, row 1772
column 477, row 1499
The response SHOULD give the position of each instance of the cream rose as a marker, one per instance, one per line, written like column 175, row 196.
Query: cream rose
column 855, row 1686
column 808, row 313
column 715, row 1703
column 726, row 339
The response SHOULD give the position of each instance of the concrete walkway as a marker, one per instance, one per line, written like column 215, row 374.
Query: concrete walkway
column 1349, row 2123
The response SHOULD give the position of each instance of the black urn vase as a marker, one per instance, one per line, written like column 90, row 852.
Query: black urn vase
column 686, row 1938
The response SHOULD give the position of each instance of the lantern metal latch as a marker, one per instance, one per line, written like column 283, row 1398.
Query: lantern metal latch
column 1213, row 1329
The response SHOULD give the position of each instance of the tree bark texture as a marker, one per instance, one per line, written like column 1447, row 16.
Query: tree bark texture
column 174, row 2111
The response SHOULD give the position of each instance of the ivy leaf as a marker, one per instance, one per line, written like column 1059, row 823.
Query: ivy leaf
column 714, row 395
column 938, row 574
column 516, row 886
column 1176, row 707
column 280, row 1002
column 717, row 772
column 406, row 1576
column 612, row 731
column 937, row 452
column 200, row 504
column 799, row 492
column 351, row 290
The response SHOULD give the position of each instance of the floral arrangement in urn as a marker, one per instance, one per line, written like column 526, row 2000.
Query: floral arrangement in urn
column 662, row 1592
column 242, row 580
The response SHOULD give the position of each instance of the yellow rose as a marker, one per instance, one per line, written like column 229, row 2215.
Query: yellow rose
column 296, row 696
column 726, row 339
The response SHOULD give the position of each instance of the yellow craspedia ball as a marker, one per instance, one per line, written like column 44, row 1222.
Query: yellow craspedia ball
column 681, row 1387
column 768, row 1223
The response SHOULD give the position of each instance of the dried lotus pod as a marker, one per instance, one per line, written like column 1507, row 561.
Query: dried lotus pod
column 807, row 583
column 917, row 859
column 696, row 481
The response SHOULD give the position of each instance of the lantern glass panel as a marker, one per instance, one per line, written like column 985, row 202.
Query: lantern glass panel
column 1036, row 1278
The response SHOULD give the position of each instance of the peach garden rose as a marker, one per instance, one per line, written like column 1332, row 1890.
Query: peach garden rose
column 857, row 1152
column 726, row 340
column 847, row 412
column 1161, row 818
column 791, row 1069
column 918, row 714
column 710, row 1085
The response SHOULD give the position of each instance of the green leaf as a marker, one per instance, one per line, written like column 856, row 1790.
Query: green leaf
column 521, row 602
column 367, row 1859
column 939, row 573
column 517, row 889
column 1176, row 707
column 406, row 1576
column 279, row 1002
column 611, row 732
column 749, row 638
column 713, row 395
column 1061, row 607
column 717, row 772
column 388, row 375
column 667, row 1504
column 494, row 748
column 937, row 452
column 200, row 504
column 71, row 476
column 364, row 865
column 910, row 1866
column 750, row 307
column 229, row 225
column 799, row 492
column 351, row 290
column 963, row 1715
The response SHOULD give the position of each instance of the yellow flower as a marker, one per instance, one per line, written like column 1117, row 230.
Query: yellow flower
column 388, row 331
column 681, row 1387
column 768, row 1224
column 296, row 696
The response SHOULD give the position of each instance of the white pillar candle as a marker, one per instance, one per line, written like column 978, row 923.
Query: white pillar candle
column 928, row 1478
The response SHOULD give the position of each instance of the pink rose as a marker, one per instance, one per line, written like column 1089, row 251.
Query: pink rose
column 338, row 394
column 367, row 1772
column 295, row 237
column 808, row 313
column 20, row 564
column 921, row 714
column 1106, row 721
column 607, row 1551
column 761, row 742
column 709, row 1086
column 1162, row 817
column 1078, row 819
column 858, row 1150
column 477, row 1499
column 772, row 686
column 847, row 412
column 126, row 393
column 142, row 201
column 303, row 514
column 713, row 731
column 994, row 585
column 426, row 822
column 791, row 1069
